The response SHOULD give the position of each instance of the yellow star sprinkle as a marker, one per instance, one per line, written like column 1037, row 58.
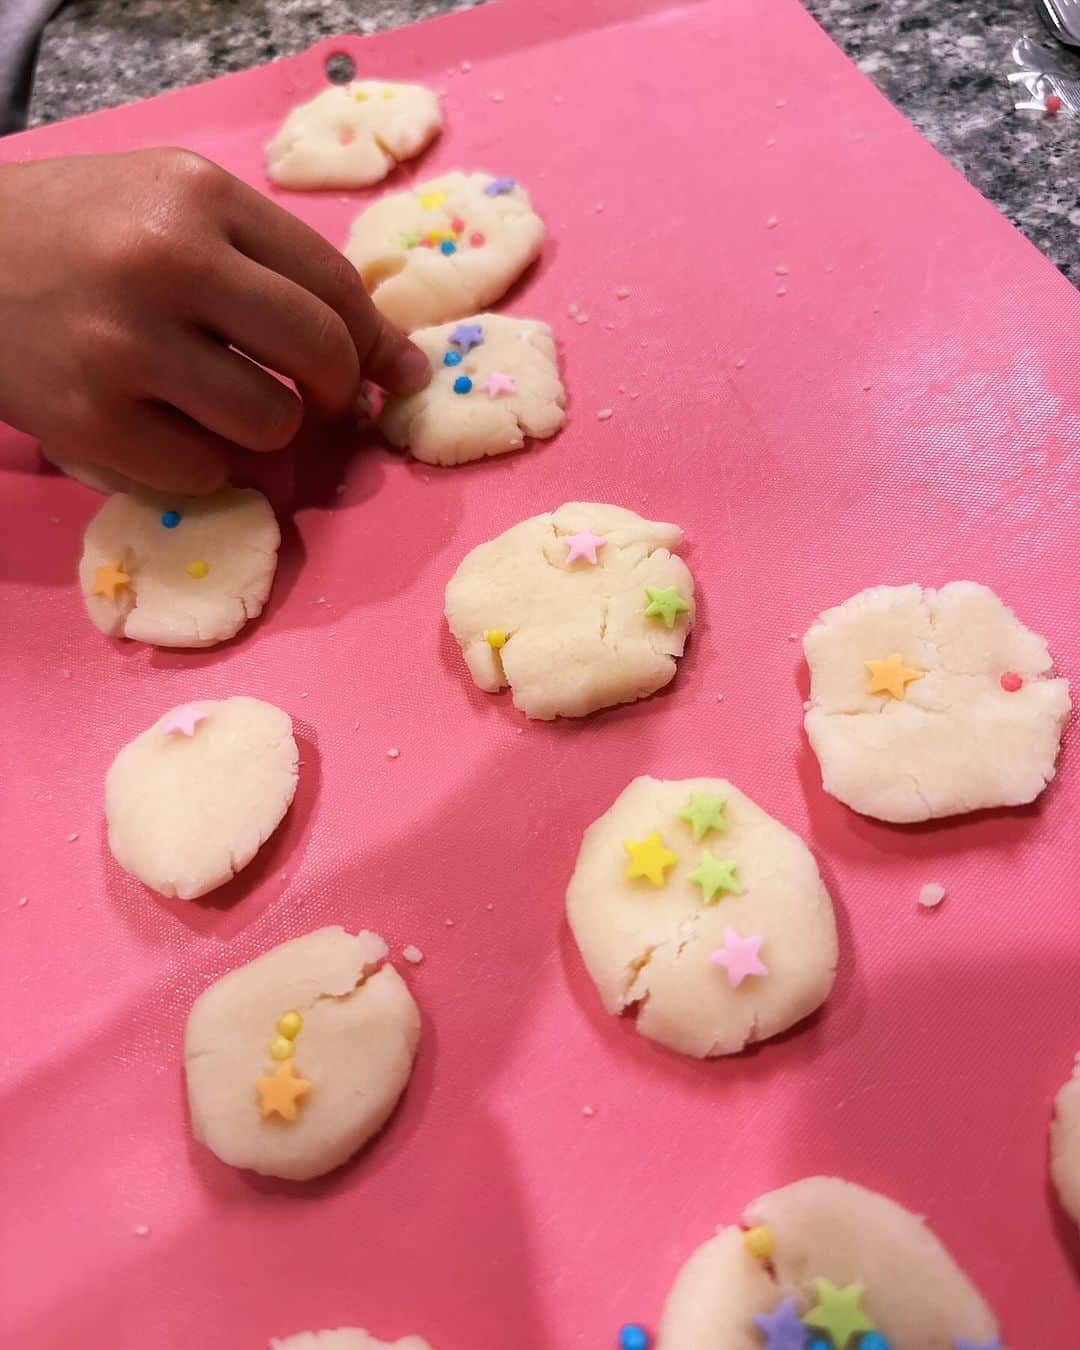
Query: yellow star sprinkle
column 890, row 676
column 649, row 858
column 703, row 814
column 281, row 1090
column 838, row 1312
column 715, row 875
column 430, row 200
column 109, row 579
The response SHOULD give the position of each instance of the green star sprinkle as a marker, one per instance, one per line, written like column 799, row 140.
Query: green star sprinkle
column 838, row 1313
column 703, row 814
column 664, row 603
column 714, row 875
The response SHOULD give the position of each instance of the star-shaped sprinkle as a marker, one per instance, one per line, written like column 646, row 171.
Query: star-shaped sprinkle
column 583, row 545
column 109, row 579
column 703, row 813
column 783, row 1328
column 498, row 382
column 962, row 1343
column 837, row 1311
column 715, row 875
column 890, row 676
column 281, row 1090
column 498, row 186
column 182, row 721
column 431, row 200
column 649, row 858
column 740, row 957
column 467, row 336
column 664, row 603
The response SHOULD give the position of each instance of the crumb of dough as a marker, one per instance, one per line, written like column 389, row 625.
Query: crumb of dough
column 931, row 894
column 412, row 954
column 622, row 292
column 602, row 414
column 22, row 901
column 142, row 1230
column 393, row 753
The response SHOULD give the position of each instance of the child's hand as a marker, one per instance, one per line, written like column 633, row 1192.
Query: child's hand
column 124, row 282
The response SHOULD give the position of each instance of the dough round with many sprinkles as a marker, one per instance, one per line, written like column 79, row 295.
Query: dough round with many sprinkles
column 1065, row 1145
column 352, row 135
column 928, row 703
column 576, row 609
column 297, row 1059
column 345, row 1338
column 695, row 908
column 445, row 248
column 179, row 571
column 192, row 800
column 495, row 380
column 826, row 1256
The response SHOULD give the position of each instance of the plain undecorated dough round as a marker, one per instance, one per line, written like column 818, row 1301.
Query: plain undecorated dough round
column 414, row 286
column 1065, row 1145
column 578, row 635
column 352, row 135
column 345, row 1338
column 825, row 1228
column 957, row 741
column 234, row 531
column 440, row 426
column 649, row 946
column 186, row 813
column 360, row 1032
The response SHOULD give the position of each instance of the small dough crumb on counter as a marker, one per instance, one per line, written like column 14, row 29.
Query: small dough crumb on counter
column 931, row 895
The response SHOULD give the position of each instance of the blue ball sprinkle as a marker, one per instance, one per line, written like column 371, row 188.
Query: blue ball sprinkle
column 170, row 519
column 448, row 246
column 463, row 385
column 452, row 359
column 818, row 1344
column 874, row 1340
column 633, row 1336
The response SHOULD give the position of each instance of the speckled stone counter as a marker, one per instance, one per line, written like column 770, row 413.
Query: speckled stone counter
column 941, row 62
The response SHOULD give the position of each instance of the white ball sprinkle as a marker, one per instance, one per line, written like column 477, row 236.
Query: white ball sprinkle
column 449, row 923
column 393, row 753
column 602, row 414
column 588, row 1111
column 490, row 905
column 412, row 954
column 931, row 894
column 22, row 900
column 142, row 1230
column 772, row 222
column 719, row 698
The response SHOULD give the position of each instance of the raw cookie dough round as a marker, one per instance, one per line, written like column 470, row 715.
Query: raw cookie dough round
column 494, row 381
column 345, row 1338
column 345, row 1064
column 1065, row 1145
column 655, row 946
column 179, row 571
column 822, row 1228
column 532, row 610
column 444, row 248
column 97, row 476
column 352, row 135
column 964, row 714
column 191, row 801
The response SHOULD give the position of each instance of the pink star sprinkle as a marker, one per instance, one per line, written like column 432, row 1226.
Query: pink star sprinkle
column 498, row 382
column 740, row 957
column 583, row 545
column 183, row 720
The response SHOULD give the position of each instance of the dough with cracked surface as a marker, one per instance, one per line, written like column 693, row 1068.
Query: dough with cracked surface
column 957, row 741
column 186, row 813
column 232, row 533
column 577, row 635
column 823, row 1227
column 351, row 136
column 1065, row 1145
column 355, row 1048
column 648, row 947
column 442, row 426
column 414, row 284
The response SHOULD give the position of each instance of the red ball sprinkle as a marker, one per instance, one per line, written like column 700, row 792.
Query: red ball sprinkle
column 1011, row 682
column 457, row 225
column 476, row 239
column 1053, row 104
column 428, row 243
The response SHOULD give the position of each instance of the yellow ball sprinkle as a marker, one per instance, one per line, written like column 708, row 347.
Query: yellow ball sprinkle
column 289, row 1024
column 430, row 200
column 759, row 1242
column 496, row 638
column 389, row 93
column 198, row 569
column 360, row 96
column 282, row 1048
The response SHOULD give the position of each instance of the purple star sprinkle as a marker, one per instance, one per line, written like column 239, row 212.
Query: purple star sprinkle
column 498, row 186
column 467, row 335
column 784, row 1329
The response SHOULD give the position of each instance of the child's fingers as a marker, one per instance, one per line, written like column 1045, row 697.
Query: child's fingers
column 161, row 448
column 271, row 236
column 287, row 329
column 225, row 393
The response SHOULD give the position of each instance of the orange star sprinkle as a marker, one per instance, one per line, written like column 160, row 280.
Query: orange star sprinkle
column 890, row 676
column 109, row 579
column 281, row 1090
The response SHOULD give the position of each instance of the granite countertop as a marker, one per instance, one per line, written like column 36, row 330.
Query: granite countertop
column 942, row 63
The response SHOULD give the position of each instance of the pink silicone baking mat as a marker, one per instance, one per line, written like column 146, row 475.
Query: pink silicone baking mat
column 908, row 410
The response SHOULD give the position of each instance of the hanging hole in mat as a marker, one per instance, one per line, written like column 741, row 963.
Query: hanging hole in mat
column 340, row 68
